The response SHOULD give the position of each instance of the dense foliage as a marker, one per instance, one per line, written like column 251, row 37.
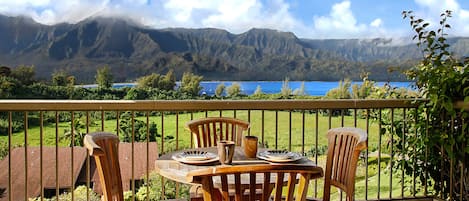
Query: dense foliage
column 438, row 146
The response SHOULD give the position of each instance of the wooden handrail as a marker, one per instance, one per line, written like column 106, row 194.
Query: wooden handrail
column 187, row 105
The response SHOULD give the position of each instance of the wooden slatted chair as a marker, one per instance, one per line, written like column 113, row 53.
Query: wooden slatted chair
column 104, row 147
column 297, row 175
column 344, row 147
column 207, row 131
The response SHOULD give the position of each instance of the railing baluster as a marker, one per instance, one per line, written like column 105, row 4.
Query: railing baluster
column 192, row 139
column 132, row 182
column 426, row 153
column 366, row 153
column 276, row 129
column 262, row 127
column 303, row 132
column 354, row 117
column 316, row 149
column 102, row 120
column 342, row 117
column 147, row 175
column 118, row 115
column 177, row 148
column 163, row 189
column 403, row 147
column 72, row 133
column 249, row 120
column 415, row 159
column 392, row 153
column 289, row 130
column 41, row 167
column 461, row 182
column 57, row 190
column 379, row 153
column 10, row 134
column 88, row 173
column 26, row 156
column 451, row 165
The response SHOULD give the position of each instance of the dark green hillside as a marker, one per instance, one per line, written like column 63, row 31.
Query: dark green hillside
column 132, row 50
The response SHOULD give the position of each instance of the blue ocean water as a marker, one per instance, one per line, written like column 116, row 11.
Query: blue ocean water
column 313, row 88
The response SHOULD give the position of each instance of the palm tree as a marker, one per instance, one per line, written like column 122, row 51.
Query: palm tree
column 76, row 131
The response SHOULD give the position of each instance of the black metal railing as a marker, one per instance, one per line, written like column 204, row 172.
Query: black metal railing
column 297, row 125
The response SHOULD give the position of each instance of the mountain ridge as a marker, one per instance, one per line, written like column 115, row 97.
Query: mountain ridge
column 132, row 50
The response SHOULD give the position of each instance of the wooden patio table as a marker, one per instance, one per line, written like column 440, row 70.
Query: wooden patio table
column 179, row 172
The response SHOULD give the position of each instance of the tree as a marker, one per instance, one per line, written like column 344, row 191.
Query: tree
column 5, row 71
column 59, row 78
column 234, row 90
column 258, row 91
column 168, row 82
column 149, row 81
column 24, row 74
column 139, row 129
column 78, row 131
column 220, row 90
column 104, row 77
column 286, row 91
column 71, row 81
column 300, row 91
column 366, row 89
column 8, row 87
column 340, row 92
column 190, row 84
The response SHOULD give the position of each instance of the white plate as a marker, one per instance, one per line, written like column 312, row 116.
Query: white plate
column 279, row 156
column 195, row 157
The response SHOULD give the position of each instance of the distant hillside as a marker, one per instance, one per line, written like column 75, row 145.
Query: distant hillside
column 132, row 51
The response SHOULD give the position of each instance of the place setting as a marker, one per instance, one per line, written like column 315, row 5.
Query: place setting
column 196, row 157
column 224, row 155
column 250, row 144
column 279, row 156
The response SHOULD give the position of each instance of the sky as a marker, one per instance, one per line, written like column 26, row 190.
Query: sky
column 314, row 19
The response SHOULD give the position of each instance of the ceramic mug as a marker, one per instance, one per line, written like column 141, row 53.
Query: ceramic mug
column 226, row 151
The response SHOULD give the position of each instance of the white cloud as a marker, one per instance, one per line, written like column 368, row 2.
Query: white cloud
column 233, row 15
column 236, row 16
column 376, row 23
column 341, row 23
